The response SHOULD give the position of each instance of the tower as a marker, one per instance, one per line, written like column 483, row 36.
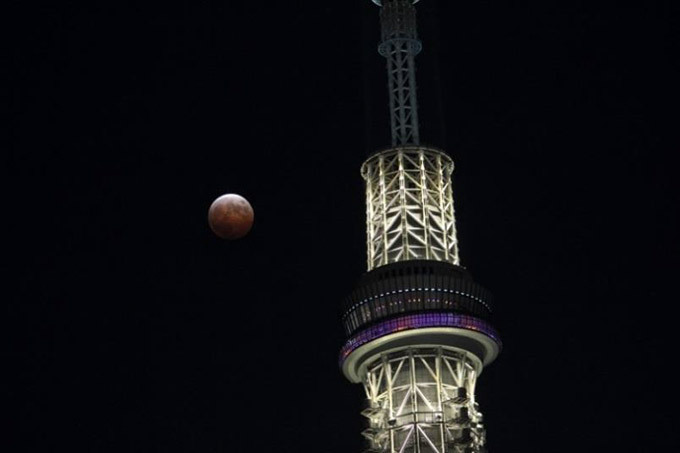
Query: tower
column 418, row 327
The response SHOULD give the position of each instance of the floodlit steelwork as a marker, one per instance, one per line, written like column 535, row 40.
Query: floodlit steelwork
column 409, row 206
column 423, row 400
column 418, row 327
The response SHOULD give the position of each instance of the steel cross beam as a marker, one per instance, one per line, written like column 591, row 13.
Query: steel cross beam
column 399, row 46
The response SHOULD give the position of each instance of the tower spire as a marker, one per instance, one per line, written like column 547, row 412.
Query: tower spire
column 400, row 45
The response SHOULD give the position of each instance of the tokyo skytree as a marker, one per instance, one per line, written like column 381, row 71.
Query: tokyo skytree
column 418, row 327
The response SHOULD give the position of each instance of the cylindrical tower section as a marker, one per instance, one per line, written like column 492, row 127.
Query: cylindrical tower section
column 409, row 206
column 422, row 400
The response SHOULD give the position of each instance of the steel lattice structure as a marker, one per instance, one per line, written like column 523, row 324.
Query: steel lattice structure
column 418, row 327
column 422, row 401
column 399, row 46
column 409, row 206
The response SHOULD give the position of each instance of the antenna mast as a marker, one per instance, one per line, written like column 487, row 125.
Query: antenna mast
column 400, row 45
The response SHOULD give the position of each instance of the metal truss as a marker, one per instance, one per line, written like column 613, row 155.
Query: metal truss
column 399, row 46
column 423, row 401
column 409, row 206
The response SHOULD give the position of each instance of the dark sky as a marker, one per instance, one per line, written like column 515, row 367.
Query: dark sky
column 136, row 330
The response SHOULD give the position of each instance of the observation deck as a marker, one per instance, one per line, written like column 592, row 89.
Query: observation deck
column 417, row 303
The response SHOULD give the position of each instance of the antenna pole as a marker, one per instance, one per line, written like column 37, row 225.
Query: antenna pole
column 400, row 45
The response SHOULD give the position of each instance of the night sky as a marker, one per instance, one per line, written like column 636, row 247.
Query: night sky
column 135, row 329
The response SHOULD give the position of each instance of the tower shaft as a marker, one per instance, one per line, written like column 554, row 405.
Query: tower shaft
column 422, row 401
column 409, row 206
column 399, row 46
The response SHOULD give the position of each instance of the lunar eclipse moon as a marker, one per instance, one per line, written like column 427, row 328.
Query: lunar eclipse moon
column 230, row 216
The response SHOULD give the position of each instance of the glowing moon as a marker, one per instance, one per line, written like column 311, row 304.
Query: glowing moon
column 230, row 216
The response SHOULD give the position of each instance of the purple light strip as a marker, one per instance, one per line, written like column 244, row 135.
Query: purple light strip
column 417, row 321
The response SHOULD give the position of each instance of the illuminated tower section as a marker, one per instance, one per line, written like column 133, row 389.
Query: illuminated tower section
column 418, row 327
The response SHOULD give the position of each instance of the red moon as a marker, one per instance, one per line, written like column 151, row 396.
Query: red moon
column 230, row 216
